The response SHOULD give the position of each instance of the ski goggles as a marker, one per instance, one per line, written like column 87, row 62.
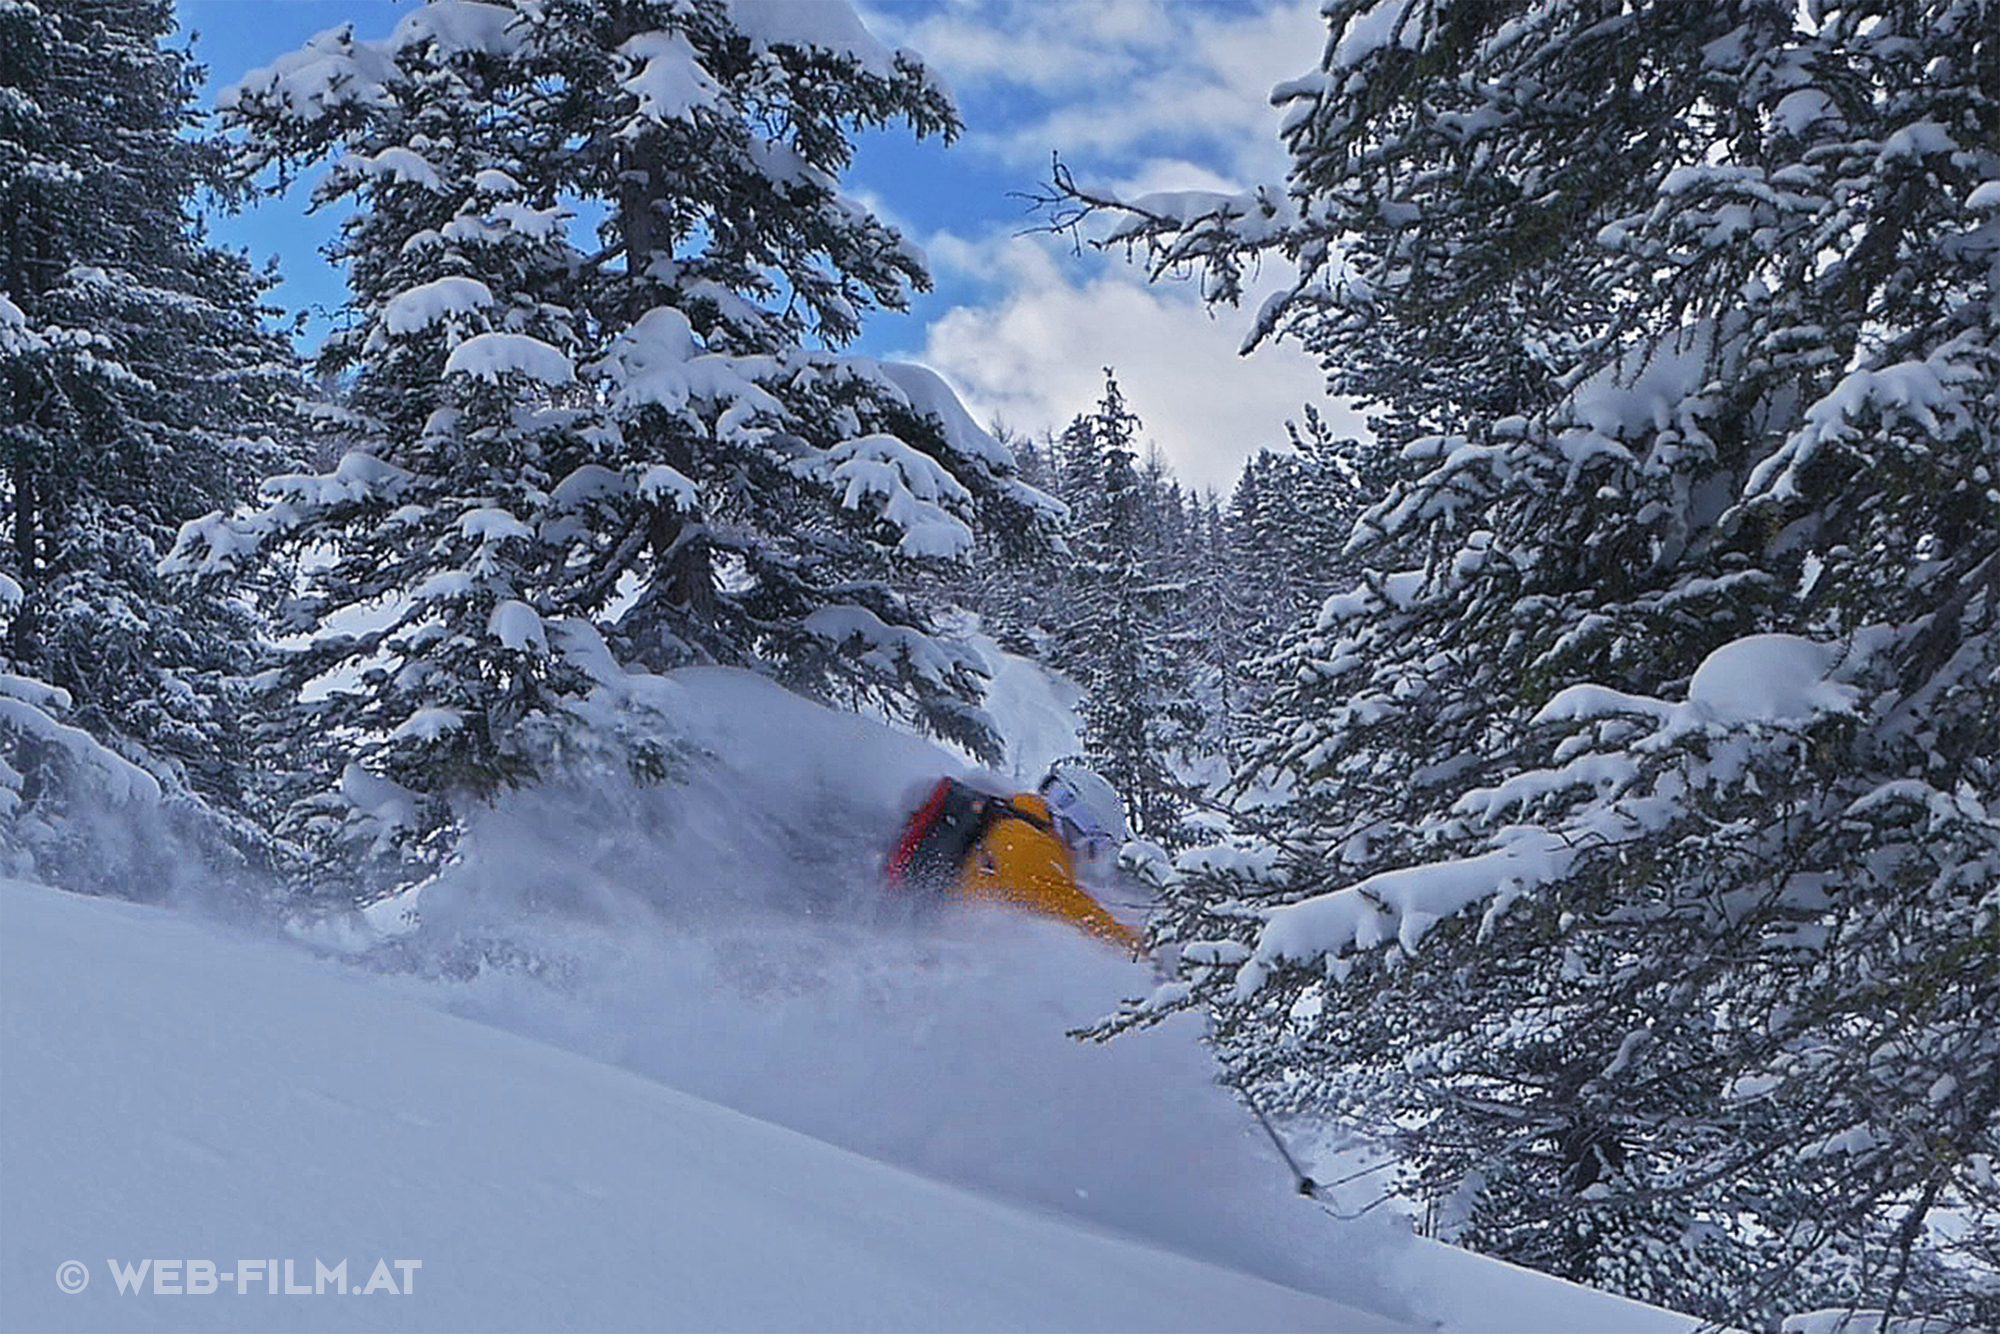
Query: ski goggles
column 1077, row 826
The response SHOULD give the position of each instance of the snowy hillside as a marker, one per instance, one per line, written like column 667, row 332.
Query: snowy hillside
column 930, row 1150
column 223, row 1099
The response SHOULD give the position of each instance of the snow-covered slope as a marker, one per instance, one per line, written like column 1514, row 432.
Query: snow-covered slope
column 173, row 1094
column 179, row 1089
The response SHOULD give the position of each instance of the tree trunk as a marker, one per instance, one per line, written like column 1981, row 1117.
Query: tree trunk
column 683, row 567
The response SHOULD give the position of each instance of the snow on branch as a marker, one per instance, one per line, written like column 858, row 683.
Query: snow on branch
column 883, row 646
column 1931, row 395
column 16, row 338
column 659, row 362
column 929, row 396
column 667, row 76
column 331, row 72
column 593, row 484
column 1774, row 679
column 429, row 724
column 914, row 490
column 418, row 308
column 519, row 628
column 1252, row 218
column 1391, row 23
column 822, row 25
column 661, row 481
column 1758, row 682
column 29, row 707
column 404, row 166
column 1402, row 905
column 492, row 356
column 458, row 26
column 219, row 543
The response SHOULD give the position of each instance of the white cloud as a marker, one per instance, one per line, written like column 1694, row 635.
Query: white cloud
column 1101, row 81
column 1169, row 173
column 1048, row 48
column 1136, row 96
column 1034, row 356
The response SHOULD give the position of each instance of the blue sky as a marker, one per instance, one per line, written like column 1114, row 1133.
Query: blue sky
column 1141, row 94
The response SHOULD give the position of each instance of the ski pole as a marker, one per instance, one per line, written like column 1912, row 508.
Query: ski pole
column 1302, row 1183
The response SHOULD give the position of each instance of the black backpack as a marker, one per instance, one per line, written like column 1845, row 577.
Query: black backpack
column 941, row 834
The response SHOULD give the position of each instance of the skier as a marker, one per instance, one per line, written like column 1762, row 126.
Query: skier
column 1027, row 849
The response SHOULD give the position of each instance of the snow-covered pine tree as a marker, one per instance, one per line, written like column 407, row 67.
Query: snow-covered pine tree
column 1283, row 546
column 1193, row 598
column 135, row 371
column 1161, row 517
column 1025, row 592
column 1117, row 635
column 1014, row 581
column 1261, row 531
column 634, row 442
column 1030, row 457
column 1336, row 479
column 1642, row 855
column 1217, row 615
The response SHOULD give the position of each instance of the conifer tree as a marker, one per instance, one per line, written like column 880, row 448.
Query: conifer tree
column 1336, row 479
column 1017, row 587
column 1117, row 637
column 135, row 370
column 1645, row 805
column 1219, row 619
column 647, row 444
column 1259, row 535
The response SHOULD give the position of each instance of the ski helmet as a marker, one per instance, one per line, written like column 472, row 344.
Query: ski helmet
column 1088, row 813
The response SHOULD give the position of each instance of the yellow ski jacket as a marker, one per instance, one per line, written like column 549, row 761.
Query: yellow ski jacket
column 1021, row 860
